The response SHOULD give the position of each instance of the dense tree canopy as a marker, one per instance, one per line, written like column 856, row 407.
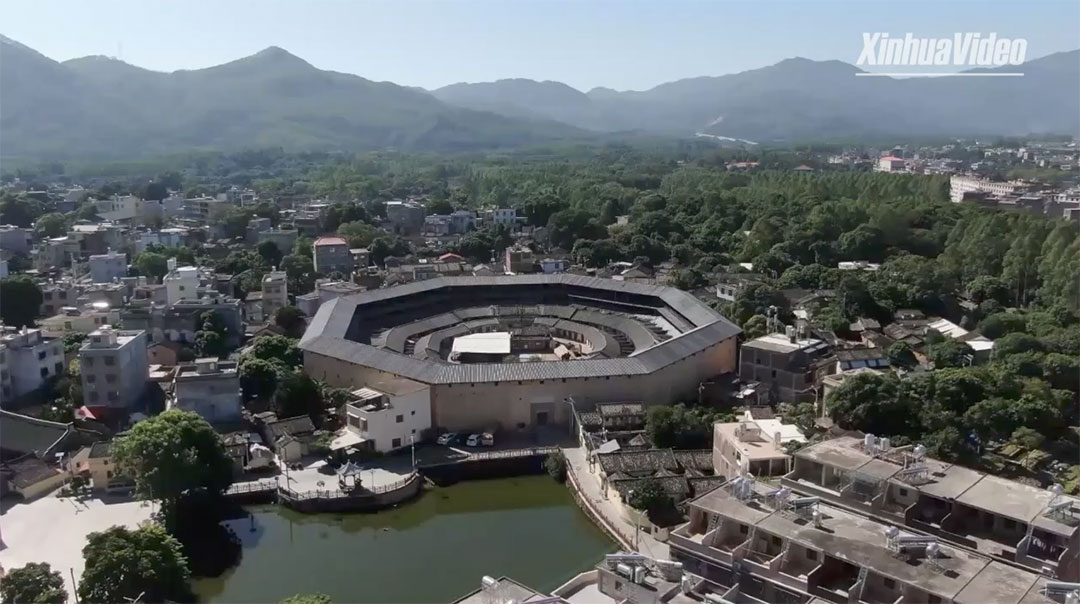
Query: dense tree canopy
column 21, row 298
column 171, row 454
column 123, row 565
column 32, row 583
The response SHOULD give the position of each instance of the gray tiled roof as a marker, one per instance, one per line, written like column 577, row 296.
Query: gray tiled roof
column 23, row 434
column 325, row 334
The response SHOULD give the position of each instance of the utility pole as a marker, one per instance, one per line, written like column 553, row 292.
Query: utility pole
column 74, row 584
column 412, row 447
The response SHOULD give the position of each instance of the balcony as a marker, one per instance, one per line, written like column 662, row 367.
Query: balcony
column 795, row 569
column 833, row 580
column 697, row 543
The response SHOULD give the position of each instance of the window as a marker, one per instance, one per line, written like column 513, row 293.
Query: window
column 413, row 412
column 110, row 378
column 395, row 443
column 932, row 599
column 94, row 396
column 889, row 583
column 903, row 492
column 811, row 554
column 41, row 355
column 87, row 362
column 110, row 361
column 399, row 419
column 618, row 586
column 112, row 396
column 776, row 540
column 44, row 372
column 742, row 529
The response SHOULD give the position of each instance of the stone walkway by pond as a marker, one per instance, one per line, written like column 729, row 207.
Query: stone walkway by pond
column 610, row 512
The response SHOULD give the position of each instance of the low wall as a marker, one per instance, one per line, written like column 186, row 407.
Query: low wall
column 583, row 502
column 576, row 583
column 335, row 501
column 482, row 468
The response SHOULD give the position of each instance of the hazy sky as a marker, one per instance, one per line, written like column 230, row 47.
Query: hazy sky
column 622, row 44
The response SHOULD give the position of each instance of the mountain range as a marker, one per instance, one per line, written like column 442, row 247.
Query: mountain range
column 98, row 106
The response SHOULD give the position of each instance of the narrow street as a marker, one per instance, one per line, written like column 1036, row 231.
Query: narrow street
column 608, row 510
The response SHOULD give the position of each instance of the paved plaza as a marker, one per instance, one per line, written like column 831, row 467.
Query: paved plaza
column 54, row 530
column 316, row 477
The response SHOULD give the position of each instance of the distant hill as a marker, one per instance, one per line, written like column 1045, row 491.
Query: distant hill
column 800, row 99
column 101, row 106
column 97, row 106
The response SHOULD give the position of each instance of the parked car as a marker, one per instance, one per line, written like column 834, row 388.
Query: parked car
column 447, row 439
column 487, row 439
column 474, row 440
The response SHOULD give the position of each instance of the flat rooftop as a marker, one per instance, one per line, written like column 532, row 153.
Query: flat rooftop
column 505, row 590
column 497, row 342
column 859, row 540
column 778, row 342
column 999, row 496
column 754, row 448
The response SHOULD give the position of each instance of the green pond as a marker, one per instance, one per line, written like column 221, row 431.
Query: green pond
column 433, row 549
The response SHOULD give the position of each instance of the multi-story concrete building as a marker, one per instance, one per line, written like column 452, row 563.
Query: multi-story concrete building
column 519, row 260
column 255, row 226
column 754, row 445
column 404, row 217
column 275, row 292
column 15, row 239
column 178, row 322
column 170, row 207
column 331, row 255
column 119, row 208
column 504, row 217
column 791, row 366
column 171, row 237
column 389, row 415
column 181, row 283
column 98, row 238
column 284, row 239
column 55, row 295
column 210, row 388
column 961, row 185
column 54, row 253
column 96, row 462
column 85, row 320
column 205, row 210
column 108, row 267
column 777, row 545
column 890, row 163
column 1033, row 527
column 114, row 368
column 309, row 218
column 113, row 294
column 31, row 358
